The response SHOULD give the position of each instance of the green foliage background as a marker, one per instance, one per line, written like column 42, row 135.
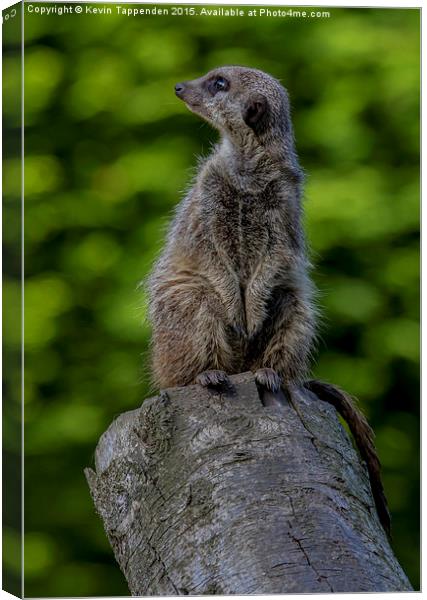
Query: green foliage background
column 108, row 150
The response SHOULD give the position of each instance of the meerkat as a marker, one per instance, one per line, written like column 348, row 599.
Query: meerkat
column 231, row 291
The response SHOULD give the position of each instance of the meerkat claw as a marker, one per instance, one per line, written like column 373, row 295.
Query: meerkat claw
column 269, row 385
column 214, row 378
column 269, row 379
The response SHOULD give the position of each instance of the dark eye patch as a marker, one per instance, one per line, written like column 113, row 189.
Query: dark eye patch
column 218, row 84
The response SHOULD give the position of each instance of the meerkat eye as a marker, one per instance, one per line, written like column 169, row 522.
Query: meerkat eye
column 221, row 84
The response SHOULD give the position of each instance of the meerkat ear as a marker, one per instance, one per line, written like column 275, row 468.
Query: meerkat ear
column 255, row 112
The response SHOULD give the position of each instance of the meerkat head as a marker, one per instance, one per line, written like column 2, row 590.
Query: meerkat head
column 239, row 100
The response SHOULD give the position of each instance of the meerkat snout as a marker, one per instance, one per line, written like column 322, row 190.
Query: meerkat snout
column 179, row 89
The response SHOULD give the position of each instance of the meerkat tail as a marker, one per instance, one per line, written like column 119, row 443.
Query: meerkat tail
column 364, row 438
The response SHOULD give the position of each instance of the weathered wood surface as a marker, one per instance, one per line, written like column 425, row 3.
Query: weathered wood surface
column 216, row 494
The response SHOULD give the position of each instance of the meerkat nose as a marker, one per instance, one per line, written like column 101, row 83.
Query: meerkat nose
column 179, row 89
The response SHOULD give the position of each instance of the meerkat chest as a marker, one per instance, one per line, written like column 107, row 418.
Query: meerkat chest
column 243, row 233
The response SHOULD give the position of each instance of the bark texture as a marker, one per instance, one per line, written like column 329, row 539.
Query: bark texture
column 202, row 493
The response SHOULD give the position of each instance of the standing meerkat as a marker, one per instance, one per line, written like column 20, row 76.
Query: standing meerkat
column 231, row 291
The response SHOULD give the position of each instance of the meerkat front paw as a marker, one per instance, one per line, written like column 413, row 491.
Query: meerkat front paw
column 269, row 379
column 269, row 384
column 214, row 378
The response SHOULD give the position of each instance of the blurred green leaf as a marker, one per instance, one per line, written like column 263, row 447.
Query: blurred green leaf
column 40, row 553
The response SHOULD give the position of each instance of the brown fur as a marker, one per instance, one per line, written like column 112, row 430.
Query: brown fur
column 231, row 291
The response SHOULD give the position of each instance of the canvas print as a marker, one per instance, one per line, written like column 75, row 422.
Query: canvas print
column 211, row 224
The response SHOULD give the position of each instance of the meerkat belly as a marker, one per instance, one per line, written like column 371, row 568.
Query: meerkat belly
column 242, row 237
column 254, row 241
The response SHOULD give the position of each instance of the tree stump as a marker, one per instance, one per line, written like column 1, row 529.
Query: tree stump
column 204, row 493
